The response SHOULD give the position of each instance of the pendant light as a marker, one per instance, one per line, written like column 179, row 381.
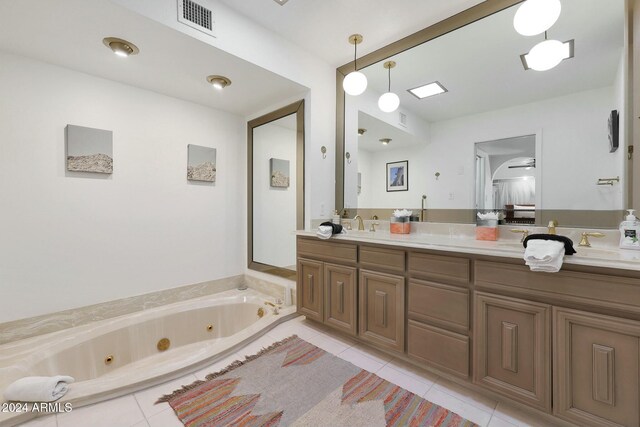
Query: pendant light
column 536, row 16
column 546, row 54
column 355, row 82
column 389, row 101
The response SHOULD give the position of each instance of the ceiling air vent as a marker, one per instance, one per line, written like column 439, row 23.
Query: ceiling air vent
column 196, row 16
column 403, row 119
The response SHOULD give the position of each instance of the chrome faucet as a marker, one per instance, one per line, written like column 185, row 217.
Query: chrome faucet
column 360, row 223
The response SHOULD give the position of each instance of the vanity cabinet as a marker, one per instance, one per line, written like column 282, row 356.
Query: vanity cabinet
column 596, row 377
column 512, row 348
column 326, row 288
column 382, row 309
column 340, row 297
column 310, row 289
column 566, row 344
column 438, row 312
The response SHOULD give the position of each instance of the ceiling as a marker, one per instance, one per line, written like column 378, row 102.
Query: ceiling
column 481, row 68
column 376, row 130
column 69, row 33
column 322, row 27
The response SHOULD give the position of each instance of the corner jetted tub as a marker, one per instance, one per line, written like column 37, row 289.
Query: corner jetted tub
column 113, row 357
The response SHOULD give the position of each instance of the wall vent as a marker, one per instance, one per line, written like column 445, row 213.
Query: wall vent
column 403, row 119
column 196, row 16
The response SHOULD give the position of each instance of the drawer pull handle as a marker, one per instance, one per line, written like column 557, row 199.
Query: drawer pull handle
column 310, row 281
column 341, row 297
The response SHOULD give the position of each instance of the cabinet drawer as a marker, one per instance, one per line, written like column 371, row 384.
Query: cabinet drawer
column 441, row 268
column 342, row 253
column 382, row 258
column 444, row 305
column 442, row 349
column 571, row 288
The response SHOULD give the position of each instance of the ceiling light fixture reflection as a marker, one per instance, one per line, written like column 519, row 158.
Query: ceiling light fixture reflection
column 355, row 82
column 547, row 54
column 385, row 141
column 281, row 2
column 361, row 131
column 430, row 89
column 389, row 101
column 218, row 82
column 535, row 17
column 120, row 47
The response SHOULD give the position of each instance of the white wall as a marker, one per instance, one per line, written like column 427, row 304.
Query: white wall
column 417, row 128
column 239, row 36
column 69, row 240
column 274, row 209
column 374, row 186
column 575, row 151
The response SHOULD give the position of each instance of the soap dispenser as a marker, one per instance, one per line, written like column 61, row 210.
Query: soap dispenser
column 336, row 217
column 630, row 232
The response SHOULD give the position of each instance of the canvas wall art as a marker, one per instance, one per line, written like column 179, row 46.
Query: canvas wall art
column 279, row 173
column 89, row 150
column 201, row 163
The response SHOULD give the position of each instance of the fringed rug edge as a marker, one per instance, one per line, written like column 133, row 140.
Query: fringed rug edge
column 234, row 365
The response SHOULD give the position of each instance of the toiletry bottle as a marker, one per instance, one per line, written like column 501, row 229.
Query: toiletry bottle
column 336, row 218
column 630, row 232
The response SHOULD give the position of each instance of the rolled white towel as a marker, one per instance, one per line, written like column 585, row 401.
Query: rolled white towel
column 324, row 232
column 551, row 266
column 543, row 250
column 38, row 389
column 544, row 255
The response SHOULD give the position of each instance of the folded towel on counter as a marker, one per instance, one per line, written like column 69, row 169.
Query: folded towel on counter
column 328, row 229
column 544, row 255
column 568, row 243
column 38, row 389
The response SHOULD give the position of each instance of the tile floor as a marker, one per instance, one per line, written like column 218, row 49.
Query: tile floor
column 138, row 409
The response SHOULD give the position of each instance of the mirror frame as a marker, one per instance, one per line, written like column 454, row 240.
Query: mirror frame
column 296, row 108
column 438, row 29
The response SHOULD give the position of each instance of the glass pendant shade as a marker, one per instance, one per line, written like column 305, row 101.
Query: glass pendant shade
column 536, row 16
column 388, row 102
column 546, row 55
column 355, row 83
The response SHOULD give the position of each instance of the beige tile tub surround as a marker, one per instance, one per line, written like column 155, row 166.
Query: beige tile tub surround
column 131, row 339
column 39, row 325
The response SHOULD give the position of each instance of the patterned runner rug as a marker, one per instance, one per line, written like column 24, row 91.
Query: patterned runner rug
column 294, row 383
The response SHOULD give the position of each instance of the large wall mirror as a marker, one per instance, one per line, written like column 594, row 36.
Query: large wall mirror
column 276, row 189
column 533, row 144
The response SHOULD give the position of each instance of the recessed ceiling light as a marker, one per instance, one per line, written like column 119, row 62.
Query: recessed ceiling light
column 529, row 64
column 120, row 47
column 361, row 131
column 281, row 2
column 385, row 141
column 428, row 90
column 218, row 82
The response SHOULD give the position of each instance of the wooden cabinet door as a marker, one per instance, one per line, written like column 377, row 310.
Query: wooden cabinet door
column 340, row 304
column 596, row 369
column 512, row 348
column 309, row 289
column 381, row 309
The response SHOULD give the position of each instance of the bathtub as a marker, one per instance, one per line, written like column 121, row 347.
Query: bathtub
column 114, row 357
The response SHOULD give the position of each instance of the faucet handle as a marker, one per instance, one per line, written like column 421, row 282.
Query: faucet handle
column 373, row 226
column 525, row 233
column 585, row 238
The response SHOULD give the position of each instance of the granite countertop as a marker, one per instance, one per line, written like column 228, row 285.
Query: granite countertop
column 601, row 254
